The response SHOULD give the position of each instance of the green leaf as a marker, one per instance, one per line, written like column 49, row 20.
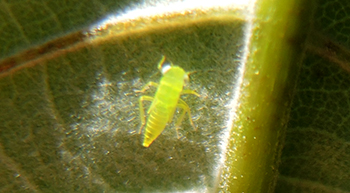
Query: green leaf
column 25, row 25
column 71, row 117
column 69, row 112
column 317, row 152
column 265, row 95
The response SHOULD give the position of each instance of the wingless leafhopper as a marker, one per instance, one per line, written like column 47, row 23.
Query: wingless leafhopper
column 165, row 102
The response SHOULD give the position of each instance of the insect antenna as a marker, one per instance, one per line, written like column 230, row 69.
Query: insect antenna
column 164, row 65
column 192, row 72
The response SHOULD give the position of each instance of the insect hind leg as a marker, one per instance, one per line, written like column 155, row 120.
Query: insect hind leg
column 190, row 92
column 185, row 109
column 142, row 111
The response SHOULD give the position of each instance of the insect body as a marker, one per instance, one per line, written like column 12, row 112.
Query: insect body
column 165, row 102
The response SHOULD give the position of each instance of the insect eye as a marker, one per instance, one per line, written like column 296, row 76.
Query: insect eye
column 186, row 78
column 165, row 68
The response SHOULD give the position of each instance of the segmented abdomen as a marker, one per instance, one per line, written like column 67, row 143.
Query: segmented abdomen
column 164, row 106
column 156, row 123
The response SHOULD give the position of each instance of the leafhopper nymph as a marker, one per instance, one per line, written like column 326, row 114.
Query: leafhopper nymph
column 165, row 102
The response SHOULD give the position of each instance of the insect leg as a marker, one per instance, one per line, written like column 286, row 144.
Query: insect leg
column 142, row 111
column 149, row 84
column 190, row 92
column 185, row 109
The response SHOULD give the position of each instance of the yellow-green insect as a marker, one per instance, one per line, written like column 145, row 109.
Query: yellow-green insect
column 165, row 102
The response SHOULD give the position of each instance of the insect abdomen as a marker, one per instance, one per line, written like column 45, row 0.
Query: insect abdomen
column 156, row 123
